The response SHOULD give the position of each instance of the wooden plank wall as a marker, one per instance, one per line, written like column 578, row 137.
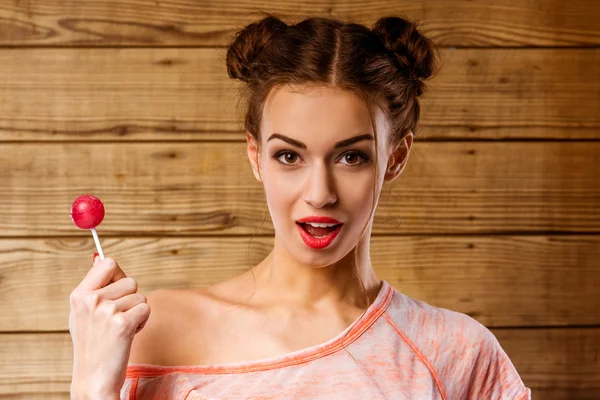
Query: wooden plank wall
column 131, row 102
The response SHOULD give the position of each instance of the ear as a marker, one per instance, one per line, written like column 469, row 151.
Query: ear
column 399, row 157
column 252, row 149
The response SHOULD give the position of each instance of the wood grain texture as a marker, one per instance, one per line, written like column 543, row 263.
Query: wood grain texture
column 35, row 364
column 562, row 363
column 76, row 102
column 455, row 133
column 543, row 357
column 212, row 23
column 185, row 94
column 37, row 396
column 209, row 188
column 500, row 281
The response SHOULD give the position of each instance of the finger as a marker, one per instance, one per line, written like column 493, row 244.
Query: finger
column 101, row 274
column 138, row 315
column 119, row 289
column 126, row 303
column 141, row 326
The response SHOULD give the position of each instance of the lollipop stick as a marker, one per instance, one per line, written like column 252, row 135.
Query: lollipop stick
column 95, row 234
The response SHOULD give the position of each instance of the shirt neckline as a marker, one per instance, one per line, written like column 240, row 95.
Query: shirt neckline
column 343, row 339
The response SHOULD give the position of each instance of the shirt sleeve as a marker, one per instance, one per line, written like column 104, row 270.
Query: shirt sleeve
column 464, row 357
column 492, row 374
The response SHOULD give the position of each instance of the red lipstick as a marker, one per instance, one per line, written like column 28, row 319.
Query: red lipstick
column 318, row 242
column 316, row 218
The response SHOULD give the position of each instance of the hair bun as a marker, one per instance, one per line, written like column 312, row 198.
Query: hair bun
column 415, row 53
column 248, row 43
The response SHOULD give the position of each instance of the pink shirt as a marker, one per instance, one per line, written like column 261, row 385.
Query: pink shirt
column 404, row 349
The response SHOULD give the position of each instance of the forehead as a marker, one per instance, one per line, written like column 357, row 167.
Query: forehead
column 319, row 112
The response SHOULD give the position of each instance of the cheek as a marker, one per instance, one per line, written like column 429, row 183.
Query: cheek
column 279, row 184
column 280, row 192
column 357, row 192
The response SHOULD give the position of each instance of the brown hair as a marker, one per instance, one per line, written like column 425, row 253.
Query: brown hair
column 385, row 66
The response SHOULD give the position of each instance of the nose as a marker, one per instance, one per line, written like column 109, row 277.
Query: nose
column 320, row 187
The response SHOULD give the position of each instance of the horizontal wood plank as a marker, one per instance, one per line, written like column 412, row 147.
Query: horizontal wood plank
column 213, row 23
column 500, row 281
column 32, row 364
column 426, row 133
column 559, row 363
column 209, row 188
column 185, row 94
column 453, row 133
column 37, row 396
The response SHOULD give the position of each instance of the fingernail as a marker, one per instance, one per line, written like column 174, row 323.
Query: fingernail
column 94, row 257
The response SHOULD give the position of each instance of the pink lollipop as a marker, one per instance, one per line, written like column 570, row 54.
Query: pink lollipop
column 87, row 212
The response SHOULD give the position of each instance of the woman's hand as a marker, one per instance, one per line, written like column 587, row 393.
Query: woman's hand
column 106, row 313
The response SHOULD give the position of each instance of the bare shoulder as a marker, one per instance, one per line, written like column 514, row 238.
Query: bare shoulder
column 177, row 323
column 155, row 340
column 187, row 326
column 144, row 346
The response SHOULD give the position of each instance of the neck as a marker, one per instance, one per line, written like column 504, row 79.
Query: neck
column 283, row 277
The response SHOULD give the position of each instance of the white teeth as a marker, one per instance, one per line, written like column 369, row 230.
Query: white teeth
column 319, row 225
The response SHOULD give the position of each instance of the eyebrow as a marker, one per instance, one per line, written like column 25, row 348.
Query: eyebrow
column 342, row 143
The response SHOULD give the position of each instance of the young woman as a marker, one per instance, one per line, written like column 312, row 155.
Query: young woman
column 332, row 110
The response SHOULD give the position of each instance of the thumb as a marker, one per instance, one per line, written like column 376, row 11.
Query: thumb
column 95, row 258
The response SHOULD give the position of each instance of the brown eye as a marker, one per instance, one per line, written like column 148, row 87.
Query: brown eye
column 352, row 155
column 288, row 159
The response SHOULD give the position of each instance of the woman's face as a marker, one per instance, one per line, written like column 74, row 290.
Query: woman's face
column 309, row 175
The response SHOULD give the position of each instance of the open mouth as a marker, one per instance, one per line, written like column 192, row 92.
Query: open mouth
column 318, row 232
